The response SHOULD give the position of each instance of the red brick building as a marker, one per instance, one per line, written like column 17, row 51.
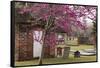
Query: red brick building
column 24, row 43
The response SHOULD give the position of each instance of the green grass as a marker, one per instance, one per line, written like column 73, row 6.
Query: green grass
column 72, row 43
column 69, row 60
column 61, row 60
column 81, row 47
column 58, row 60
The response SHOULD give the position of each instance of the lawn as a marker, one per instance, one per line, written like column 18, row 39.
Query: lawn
column 58, row 60
column 81, row 47
column 61, row 60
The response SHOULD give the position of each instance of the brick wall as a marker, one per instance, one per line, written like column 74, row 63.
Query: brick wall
column 23, row 46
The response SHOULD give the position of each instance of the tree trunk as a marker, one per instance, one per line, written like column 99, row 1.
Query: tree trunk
column 42, row 51
column 94, row 40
